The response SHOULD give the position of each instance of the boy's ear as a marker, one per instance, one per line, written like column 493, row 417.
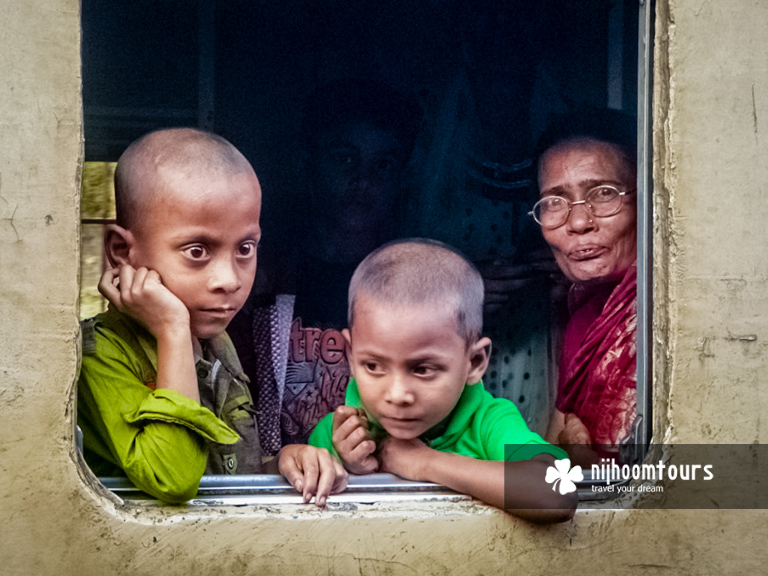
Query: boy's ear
column 347, row 337
column 118, row 243
column 479, row 356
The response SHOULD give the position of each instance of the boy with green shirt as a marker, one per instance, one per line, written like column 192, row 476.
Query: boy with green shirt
column 416, row 406
column 161, row 394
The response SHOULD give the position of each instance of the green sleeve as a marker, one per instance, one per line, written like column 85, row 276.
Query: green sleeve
column 508, row 436
column 322, row 435
column 158, row 438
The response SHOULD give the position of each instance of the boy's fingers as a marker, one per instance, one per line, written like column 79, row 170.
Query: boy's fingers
column 356, row 446
column 290, row 467
column 347, row 428
column 311, row 471
column 127, row 274
column 139, row 280
column 342, row 478
column 152, row 281
column 327, row 477
column 369, row 465
column 362, row 450
column 341, row 415
column 154, row 276
column 290, row 471
column 357, row 433
column 359, row 459
column 107, row 286
column 574, row 431
column 328, row 471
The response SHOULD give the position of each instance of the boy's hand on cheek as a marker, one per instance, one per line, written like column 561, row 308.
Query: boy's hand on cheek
column 406, row 458
column 312, row 471
column 141, row 295
column 352, row 440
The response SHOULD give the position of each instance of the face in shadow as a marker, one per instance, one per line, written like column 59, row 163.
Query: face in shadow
column 357, row 173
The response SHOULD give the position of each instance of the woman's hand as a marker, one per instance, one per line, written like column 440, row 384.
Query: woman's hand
column 502, row 278
column 574, row 431
column 574, row 438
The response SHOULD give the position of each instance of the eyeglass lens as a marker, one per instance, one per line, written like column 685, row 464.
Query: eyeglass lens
column 553, row 211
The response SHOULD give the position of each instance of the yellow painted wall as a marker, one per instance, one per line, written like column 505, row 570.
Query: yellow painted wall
column 710, row 335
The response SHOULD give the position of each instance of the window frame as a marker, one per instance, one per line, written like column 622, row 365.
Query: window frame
column 269, row 489
column 645, row 222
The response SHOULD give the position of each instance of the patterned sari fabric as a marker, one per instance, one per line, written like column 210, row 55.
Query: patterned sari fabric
column 598, row 377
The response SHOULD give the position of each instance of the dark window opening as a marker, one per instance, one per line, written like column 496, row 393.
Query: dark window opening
column 486, row 80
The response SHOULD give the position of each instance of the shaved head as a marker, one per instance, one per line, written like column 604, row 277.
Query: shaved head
column 187, row 150
column 419, row 271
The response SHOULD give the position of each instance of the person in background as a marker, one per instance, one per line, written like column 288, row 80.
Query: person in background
column 357, row 138
column 588, row 215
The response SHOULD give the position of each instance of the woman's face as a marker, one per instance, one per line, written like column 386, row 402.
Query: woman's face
column 588, row 249
column 358, row 174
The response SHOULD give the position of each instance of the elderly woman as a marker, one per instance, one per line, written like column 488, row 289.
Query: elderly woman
column 588, row 215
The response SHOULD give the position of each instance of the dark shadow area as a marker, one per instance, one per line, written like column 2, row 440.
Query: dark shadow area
column 486, row 77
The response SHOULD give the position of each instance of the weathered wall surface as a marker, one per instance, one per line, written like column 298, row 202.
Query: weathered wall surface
column 710, row 318
column 712, row 173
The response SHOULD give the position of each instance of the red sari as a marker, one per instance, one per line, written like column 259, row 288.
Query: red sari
column 598, row 375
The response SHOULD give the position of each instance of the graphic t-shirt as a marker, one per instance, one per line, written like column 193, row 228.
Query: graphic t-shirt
column 315, row 381
column 318, row 371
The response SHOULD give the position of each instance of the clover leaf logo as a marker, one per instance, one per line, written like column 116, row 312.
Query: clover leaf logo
column 563, row 473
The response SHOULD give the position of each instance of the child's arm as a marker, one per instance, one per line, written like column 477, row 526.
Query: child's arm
column 312, row 471
column 141, row 295
column 157, row 437
column 529, row 495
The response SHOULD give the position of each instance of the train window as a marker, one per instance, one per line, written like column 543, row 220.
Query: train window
column 366, row 122
column 97, row 208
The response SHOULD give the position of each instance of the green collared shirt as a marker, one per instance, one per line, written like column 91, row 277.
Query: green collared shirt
column 163, row 441
column 479, row 426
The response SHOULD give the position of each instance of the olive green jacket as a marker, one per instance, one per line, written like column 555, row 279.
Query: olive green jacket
column 163, row 441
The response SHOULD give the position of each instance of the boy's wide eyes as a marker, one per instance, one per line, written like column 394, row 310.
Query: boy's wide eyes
column 200, row 252
column 246, row 250
column 196, row 252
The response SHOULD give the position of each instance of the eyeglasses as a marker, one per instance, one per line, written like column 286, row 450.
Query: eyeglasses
column 601, row 201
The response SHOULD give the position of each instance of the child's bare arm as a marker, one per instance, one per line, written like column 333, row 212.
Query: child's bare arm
column 352, row 440
column 529, row 496
column 141, row 295
column 312, row 471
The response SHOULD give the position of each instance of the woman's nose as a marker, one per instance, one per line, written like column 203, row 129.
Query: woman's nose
column 362, row 179
column 580, row 219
